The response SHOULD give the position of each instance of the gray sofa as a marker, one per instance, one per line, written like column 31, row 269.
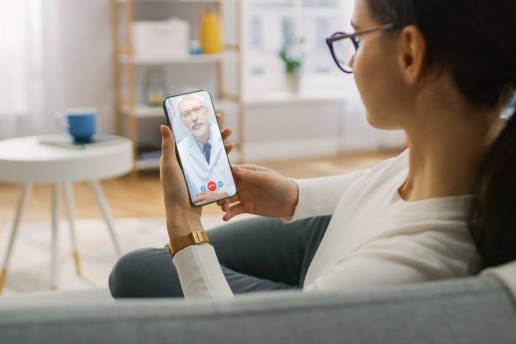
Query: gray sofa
column 469, row 310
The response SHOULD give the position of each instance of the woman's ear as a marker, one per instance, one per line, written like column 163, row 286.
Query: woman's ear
column 412, row 53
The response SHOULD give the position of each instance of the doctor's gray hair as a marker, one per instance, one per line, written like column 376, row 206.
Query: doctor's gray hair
column 191, row 96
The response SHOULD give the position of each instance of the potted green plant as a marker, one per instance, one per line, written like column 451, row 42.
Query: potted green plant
column 292, row 56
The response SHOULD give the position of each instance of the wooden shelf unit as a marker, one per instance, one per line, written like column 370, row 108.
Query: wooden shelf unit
column 125, row 64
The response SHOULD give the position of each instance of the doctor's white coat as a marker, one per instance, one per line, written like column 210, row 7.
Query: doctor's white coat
column 198, row 173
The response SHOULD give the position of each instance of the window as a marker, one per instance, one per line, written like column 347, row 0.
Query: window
column 20, row 26
column 272, row 24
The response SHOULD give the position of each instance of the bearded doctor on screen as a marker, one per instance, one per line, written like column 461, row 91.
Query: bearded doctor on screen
column 202, row 153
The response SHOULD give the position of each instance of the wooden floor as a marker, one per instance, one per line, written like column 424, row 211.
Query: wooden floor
column 141, row 196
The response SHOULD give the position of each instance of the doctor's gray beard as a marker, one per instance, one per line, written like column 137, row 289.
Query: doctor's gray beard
column 201, row 131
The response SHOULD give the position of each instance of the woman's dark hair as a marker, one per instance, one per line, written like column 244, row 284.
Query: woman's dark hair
column 475, row 41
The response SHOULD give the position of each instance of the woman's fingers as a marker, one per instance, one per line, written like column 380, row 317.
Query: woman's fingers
column 226, row 133
column 198, row 199
column 233, row 199
column 225, row 207
column 232, row 211
column 229, row 147
column 225, row 204
column 252, row 167
column 249, row 174
column 219, row 117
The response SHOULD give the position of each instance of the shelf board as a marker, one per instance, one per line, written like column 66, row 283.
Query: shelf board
column 187, row 59
column 142, row 111
column 265, row 99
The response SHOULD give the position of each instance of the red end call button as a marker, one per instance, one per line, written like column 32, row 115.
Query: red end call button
column 212, row 186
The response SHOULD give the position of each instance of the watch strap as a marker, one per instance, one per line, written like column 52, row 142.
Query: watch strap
column 194, row 238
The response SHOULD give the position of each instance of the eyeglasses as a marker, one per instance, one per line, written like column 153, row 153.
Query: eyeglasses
column 196, row 109
column 344, row 45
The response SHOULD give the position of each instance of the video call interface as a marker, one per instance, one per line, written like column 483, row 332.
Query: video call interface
column 200, row 147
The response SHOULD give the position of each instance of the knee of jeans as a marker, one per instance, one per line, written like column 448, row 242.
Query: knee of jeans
column 124, row 275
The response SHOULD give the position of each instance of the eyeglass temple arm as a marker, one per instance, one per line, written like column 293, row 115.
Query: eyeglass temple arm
column 342, row 35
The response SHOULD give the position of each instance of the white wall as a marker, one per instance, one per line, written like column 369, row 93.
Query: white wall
column 313, row 129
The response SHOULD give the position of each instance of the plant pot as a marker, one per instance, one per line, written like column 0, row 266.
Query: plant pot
column 293, row 81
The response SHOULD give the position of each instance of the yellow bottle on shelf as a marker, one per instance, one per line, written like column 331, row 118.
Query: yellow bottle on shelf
column 211, row 36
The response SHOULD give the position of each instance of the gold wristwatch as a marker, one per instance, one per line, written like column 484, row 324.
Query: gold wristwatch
column 194, row 238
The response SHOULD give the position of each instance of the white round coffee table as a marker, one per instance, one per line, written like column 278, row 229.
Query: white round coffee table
column 27, row 161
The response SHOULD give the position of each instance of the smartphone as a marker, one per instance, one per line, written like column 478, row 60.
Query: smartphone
column 199, row 146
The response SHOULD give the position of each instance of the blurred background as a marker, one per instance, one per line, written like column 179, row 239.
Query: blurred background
column 265, row 63
column 111, row 55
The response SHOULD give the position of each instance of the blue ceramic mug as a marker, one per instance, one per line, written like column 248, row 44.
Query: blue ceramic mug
column 81, row 124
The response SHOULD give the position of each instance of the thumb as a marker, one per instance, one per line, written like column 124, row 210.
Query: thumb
column 167, row 143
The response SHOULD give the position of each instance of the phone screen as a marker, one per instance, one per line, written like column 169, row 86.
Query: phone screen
column 200, row 149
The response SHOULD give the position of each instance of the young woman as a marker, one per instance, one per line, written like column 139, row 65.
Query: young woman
column 441, row 71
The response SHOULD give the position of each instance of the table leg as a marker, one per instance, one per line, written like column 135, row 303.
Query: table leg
column 14, row 231
column 107, row 214
column 55, row 235
column 70, row 210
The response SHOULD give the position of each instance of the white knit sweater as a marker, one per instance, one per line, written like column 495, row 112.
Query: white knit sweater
column 374, row 237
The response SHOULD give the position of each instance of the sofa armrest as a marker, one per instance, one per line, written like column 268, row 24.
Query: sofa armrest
column 470, row 310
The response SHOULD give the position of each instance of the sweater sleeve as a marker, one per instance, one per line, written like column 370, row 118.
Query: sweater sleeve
column 200, row 273
column 319, row 196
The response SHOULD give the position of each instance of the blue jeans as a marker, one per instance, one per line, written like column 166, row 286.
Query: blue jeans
column 256, row 254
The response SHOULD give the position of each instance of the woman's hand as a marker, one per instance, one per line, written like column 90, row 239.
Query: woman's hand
column 226, row 133
column 207, row 197
column 261, row 191
column 182, row 218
